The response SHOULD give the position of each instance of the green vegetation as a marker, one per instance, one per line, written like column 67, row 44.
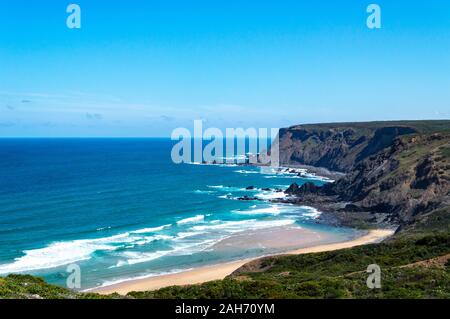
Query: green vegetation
column 414, row 263
column 29, row 287
column 338, row 274
column 414, row 282
column 422, row 126
column 342, row 274
column 445, row 151
column 434, row 223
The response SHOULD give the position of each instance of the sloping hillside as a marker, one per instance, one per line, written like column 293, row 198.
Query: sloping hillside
column 340, row 146
column 414, row 264
column 394, row 171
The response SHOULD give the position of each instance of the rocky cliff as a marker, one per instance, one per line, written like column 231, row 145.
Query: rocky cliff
column 395, row 171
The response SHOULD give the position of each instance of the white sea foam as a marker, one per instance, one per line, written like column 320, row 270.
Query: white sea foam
column 311, row 212
column 285, row 172
column 216, row 186
column 218, row 163
column 182, row 235
column 103, row 228
column 243, row 171
column 198, row 191
column 62, row 253
column 150, row 229
column 227, row 188
column 272, row 210
column 236, row 157
column 242, row 225
column 183, row 249
column 226, row 196
column 182, row 243
column 195, row 219
column 270, row 195
column 282, row 176
column 318, row 178
column 149, row 239
column 193, row 163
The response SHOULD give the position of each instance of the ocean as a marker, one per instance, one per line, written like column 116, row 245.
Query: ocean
column 121, row 209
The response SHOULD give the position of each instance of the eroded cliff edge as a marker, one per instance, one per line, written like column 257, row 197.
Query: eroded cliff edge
column 395, row 172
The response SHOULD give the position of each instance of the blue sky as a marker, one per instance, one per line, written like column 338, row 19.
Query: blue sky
column 143, row 68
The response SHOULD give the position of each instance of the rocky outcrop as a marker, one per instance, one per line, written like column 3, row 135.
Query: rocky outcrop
column 247, row 198
column 393, row 173
column 338, row 147
column 307, row 188
column 425, row 174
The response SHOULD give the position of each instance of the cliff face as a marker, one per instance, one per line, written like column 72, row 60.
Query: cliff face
column 395, row 171
column 340, row 146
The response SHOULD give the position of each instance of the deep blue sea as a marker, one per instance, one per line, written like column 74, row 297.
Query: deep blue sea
column 120, row 209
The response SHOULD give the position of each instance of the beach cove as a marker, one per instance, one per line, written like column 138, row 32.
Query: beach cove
column 220, row 271
column 121, row 210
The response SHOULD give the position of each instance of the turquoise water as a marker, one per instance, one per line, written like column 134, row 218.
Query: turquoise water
column 120, row 209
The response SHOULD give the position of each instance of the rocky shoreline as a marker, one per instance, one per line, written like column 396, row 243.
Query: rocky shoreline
column 396, row 172
column 379, row 174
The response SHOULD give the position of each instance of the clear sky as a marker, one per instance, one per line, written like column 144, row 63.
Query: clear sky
column 142, row 68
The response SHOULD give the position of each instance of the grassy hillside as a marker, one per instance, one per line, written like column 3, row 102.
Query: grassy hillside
column 422, row 126
column 29, row 287
column 341, row 146
column 393, row 176
column 414, row 264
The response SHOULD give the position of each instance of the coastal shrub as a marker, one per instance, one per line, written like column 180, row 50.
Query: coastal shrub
column 337, row 274
column 445, row 151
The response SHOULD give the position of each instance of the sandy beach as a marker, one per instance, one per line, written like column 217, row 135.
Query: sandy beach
column 220, row 271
